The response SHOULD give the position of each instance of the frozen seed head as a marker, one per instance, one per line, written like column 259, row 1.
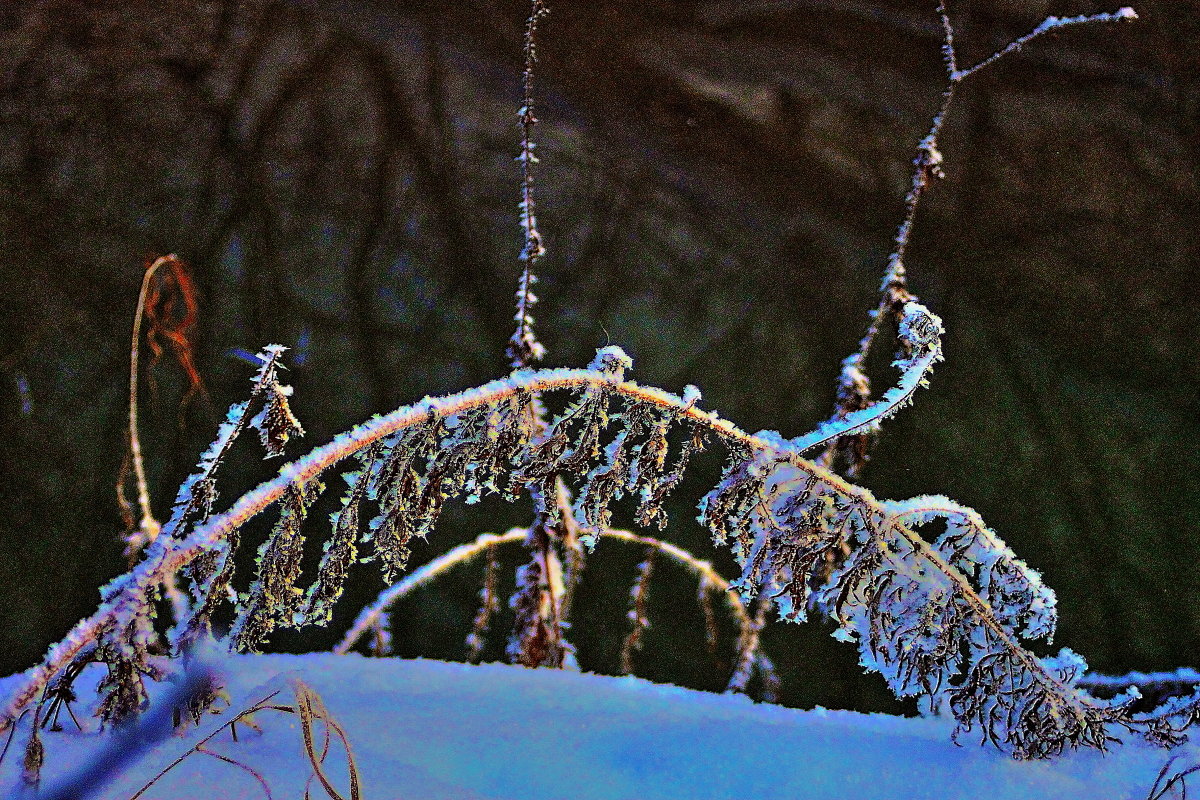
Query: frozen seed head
column 920, row 327
column 611, row 360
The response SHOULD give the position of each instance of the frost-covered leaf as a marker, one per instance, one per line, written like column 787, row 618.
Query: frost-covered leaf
column 570, row 446
column 647, row 477
column 398, row 486
column 276, row 423
column 274, row 597
column 733, row 507
column 1012, row 589
column 920, row 332
column 340, row 549
column 214, row 576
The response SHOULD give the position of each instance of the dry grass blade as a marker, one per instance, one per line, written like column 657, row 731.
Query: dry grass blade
column 12, row 732
column 1176, row 783
column 160, row 302
column 260, row 705
column 310, row 709
column 489, row 604
column 262, row 782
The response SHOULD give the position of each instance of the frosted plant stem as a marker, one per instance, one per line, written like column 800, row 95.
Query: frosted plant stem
column 371, row 617
column 128, row 593
column 523, row 347
column 1125, row 13
column 927, row 164
column 127, row 596
column 148, row 526
column 921, row 330
column 929, row 159
column 853, row 387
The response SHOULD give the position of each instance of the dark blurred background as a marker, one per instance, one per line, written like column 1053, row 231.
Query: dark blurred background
column 719, row 185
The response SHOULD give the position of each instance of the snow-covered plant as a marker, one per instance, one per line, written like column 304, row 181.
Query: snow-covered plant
column 948, row 619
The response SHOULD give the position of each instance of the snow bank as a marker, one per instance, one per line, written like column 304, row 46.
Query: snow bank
column 426, row 729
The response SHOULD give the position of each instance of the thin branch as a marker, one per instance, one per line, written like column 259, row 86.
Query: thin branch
column 371, row 617
column 523, row 347
column 853, row 388
column 1159, row 792
column 1047, row 25
column 948, row 54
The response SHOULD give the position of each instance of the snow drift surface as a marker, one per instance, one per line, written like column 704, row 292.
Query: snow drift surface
column 426, row 729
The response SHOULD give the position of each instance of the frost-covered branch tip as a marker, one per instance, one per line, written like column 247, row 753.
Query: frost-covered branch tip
column 1123, row 14
column 853, row 387
column 920, row 331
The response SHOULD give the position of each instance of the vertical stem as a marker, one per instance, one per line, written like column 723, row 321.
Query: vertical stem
column 894, row 288
column 148, row 527
column 523, row 347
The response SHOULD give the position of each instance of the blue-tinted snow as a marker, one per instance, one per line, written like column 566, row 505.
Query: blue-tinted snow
column 426, row 729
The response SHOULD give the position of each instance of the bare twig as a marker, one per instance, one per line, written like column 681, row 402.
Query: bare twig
column 147, row 527
column 260, row 705
column 1047, row 25
column 853, row 388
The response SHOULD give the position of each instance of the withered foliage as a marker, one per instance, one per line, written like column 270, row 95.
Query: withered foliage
column 949, row 620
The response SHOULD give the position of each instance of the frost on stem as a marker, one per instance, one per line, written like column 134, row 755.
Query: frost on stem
column 946, row 620
column 920, row 333
column 943, row 620
column 853, row 387
column 1013, row 590
column 341, row 550
column 211, row 574
column 1123, row 14
column 639, row 619
column 374, row 617
column 524, row 347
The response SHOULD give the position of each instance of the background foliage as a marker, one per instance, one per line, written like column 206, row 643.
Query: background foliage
column 719, row 186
